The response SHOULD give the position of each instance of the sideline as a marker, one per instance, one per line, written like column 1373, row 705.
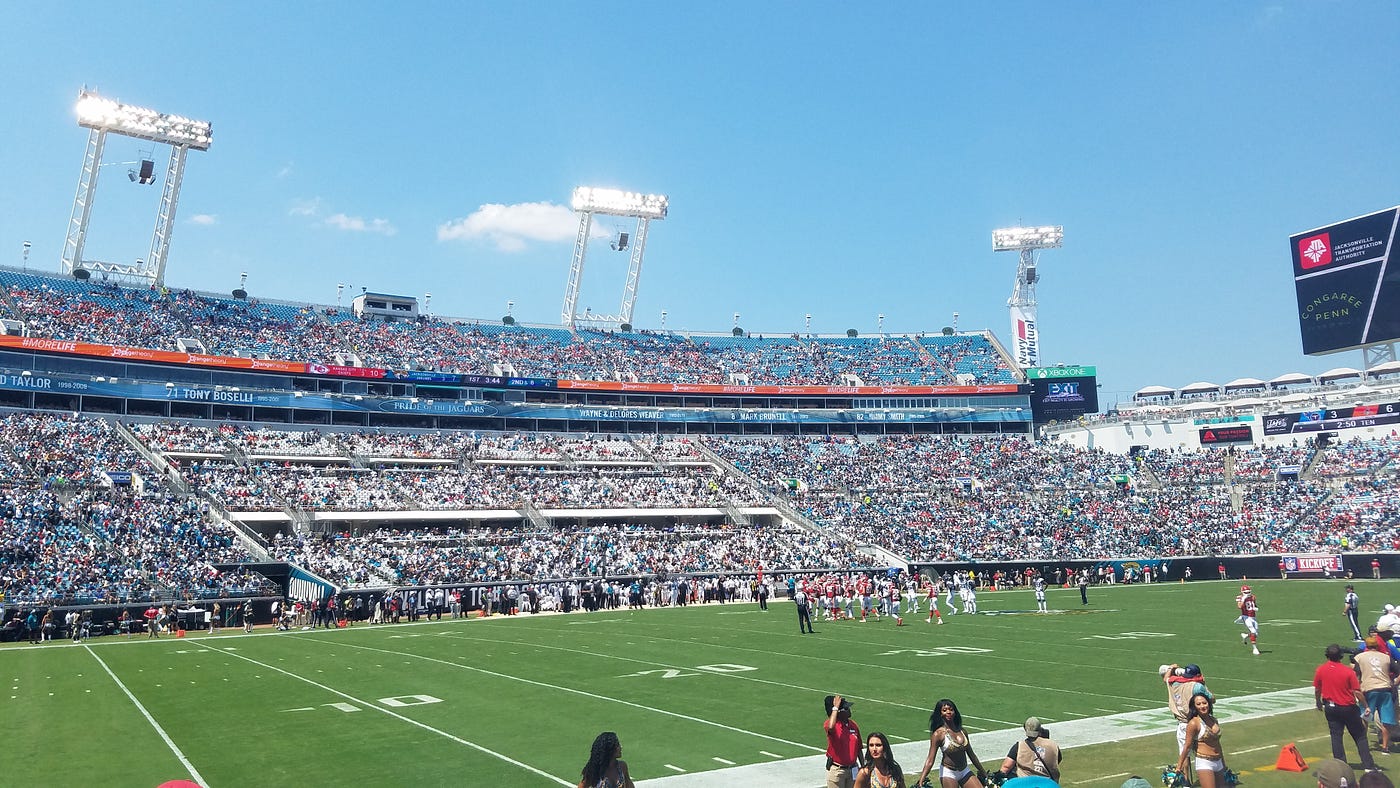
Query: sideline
column 806, row 771
column 194, row 773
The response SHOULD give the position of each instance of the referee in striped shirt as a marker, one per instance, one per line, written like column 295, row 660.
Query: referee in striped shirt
column 1351, row 603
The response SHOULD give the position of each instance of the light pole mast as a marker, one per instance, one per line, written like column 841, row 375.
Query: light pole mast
column 1025, row 334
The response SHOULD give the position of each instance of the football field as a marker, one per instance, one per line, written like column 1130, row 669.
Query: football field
column 703, row 695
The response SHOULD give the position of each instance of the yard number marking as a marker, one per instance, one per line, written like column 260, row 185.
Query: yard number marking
column 672, row 673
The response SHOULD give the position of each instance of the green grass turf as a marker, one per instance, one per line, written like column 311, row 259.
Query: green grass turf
column 681, row 687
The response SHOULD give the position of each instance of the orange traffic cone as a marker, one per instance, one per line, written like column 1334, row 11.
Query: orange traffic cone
column 1290, row 760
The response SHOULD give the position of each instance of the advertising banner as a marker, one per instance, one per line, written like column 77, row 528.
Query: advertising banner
column 81, row 386
column 1062, row 398
column 1216, row 436
column 815, row 391
column 1348, row 295
column 146, row 354
column 1313, row 564
column 1025, row 338
column 1041, row 373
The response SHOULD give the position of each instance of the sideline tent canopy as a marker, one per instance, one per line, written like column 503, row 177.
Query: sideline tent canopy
column 1200, row 388
column 1340, row 373
column 1381, row 370
column 1152, row 392
column 1245, row 384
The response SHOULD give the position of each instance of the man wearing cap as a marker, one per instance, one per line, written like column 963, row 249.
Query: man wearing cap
column 1389, row 620
column 1350, row 606
column 1182, row 682
column 1334, row 773
column 842, row 743
column 1377, row 671
column 1033, row 756
column 1337, row 691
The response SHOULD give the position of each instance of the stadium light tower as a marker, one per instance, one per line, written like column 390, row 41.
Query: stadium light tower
column 588, row 201
column 101, row 116
column 1027, row 241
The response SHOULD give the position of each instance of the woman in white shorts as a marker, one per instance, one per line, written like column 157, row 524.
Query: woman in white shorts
column 947, row 734
column 1203, row 738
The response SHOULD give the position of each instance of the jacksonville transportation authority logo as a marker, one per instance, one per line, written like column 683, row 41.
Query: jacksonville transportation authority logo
column 1316, row 250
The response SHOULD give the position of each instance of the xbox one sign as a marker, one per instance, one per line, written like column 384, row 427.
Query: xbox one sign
column 1046, row 373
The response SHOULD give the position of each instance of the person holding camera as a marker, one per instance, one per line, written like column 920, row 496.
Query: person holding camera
column 843, row 743
column 1182, row 682
column 1035, row 755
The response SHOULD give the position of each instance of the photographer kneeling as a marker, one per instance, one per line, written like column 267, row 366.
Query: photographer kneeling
column 1033, row 756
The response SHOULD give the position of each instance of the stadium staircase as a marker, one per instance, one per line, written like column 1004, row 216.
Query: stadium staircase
column 647, row 455
column 1006, row 357
column 9, row 304
column 170, row 476
column 734, row 514
column 528, row 510
column 931, row 360
column 777, row 502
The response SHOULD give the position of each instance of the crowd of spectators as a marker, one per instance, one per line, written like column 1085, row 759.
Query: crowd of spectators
column 104, row 545
column 487, row 555
column 64, row 532
column 155, row 317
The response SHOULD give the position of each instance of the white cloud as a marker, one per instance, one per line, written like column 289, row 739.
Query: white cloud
column 204, row 219
column 355, row 224
column 285, row 171
column 305, row 207
column 509, row 227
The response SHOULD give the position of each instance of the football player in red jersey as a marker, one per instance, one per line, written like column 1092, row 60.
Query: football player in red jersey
column 1249, row 611
column 863, row 587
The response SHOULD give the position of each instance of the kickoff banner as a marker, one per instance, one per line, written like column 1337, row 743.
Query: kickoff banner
column 1315, row 564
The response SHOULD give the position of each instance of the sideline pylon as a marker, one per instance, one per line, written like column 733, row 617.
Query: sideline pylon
column 1290, row 760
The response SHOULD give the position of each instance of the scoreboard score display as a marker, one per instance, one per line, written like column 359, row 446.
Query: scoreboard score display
column 1348, row 293
column 1332, row 419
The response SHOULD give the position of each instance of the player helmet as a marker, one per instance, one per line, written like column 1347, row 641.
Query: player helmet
column 1244, row 589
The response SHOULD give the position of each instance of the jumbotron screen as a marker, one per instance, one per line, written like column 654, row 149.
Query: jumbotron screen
column 1063, row 393
column 1348, row 293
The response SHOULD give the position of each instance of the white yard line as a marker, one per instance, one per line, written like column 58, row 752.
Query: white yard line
column 194, row 773
column 585, row 694
column 651, row 663
column 409, row 720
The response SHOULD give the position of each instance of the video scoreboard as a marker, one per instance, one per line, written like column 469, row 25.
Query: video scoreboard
column 1330, row 419
column 1348, row 291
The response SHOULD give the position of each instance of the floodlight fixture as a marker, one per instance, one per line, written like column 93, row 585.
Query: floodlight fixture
column 104, row 114
column 590, row 200
column 615, row 202
column 1014, row 239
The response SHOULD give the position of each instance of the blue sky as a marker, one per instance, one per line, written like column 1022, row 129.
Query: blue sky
column 843, row 160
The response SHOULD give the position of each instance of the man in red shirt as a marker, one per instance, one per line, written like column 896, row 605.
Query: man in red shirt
column 842, row 743
column 1338, row 694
